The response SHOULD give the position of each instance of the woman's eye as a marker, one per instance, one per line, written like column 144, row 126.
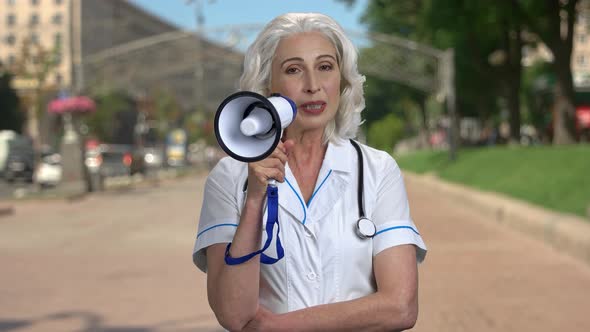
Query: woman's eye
column 292, row 70
column 326, row 67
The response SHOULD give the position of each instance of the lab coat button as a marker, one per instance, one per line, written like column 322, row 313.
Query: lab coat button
column 311, row 276
column 308, row 233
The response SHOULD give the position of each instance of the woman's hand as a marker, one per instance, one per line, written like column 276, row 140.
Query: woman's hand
column 273, row 167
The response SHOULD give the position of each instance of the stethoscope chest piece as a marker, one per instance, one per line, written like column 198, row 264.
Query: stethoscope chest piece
column 365, row 228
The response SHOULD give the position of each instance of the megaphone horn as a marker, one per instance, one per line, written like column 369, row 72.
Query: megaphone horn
column 248, row 126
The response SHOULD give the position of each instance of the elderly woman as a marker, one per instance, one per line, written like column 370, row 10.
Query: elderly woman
column 337, row 274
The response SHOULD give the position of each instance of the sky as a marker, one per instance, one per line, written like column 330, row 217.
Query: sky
column 220, row 13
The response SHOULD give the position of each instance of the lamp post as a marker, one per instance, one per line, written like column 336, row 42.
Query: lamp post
column 199, row 68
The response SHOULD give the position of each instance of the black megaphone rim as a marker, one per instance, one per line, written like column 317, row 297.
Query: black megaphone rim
column 276, row 125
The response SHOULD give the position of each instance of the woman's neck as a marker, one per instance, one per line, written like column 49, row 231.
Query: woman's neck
column 305, row 160
column 309, row 147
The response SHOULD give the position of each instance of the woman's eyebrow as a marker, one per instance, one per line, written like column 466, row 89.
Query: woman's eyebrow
column 327, row 56
column 319, row 57
column 291, row 59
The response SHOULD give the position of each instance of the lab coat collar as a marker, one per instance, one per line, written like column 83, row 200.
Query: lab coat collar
column 338, row 156
column 330, row 186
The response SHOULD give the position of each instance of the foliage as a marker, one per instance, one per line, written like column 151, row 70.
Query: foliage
column 385, row 133
column 35, row 63
column 487, row 37
column 553, row 22
column 553, row 177
column 537, row 95
column 383, row 96
column 468, row 27
column 11, row 117
column 114, row 111
column 167, row 113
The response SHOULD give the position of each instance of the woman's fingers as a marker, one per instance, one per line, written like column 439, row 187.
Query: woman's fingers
column 271, row 168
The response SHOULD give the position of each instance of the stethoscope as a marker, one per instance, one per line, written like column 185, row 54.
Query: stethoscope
column 365, row 227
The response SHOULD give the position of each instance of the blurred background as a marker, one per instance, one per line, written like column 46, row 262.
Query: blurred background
column 98, row 89
column 96, row 96
column 92, row 90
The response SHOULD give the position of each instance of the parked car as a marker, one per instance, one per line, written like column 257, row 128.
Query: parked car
column 20, row 162
column 104, row 161
column 116, row 160
column 5, row 137
column 49, row 171
column 147, row 160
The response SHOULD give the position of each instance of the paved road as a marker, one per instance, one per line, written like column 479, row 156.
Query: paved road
column 121, row 261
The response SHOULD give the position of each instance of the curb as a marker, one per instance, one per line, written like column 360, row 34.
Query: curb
column 564, row 232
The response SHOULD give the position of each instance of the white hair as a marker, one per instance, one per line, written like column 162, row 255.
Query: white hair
column 258, row 64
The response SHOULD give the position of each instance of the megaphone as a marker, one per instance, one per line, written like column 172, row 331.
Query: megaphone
column 248, row 126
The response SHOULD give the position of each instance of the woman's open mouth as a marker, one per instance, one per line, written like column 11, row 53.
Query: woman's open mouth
column 314, row 107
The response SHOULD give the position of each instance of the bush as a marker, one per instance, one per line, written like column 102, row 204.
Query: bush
column 385, row 133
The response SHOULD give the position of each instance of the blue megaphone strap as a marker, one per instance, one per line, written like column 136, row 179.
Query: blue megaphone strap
column 272, row 196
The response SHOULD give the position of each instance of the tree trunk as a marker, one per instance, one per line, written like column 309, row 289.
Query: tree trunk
column 564, row 125
column 514, row 75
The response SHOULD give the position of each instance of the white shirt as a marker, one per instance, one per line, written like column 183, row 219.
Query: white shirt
column 325, row 260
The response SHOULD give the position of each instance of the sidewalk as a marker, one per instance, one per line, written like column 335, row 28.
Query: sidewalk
column 565, row 232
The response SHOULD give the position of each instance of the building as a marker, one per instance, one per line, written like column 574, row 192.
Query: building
column 72, row 29
column 114, row 42
column 110, row 44
column 581, row 51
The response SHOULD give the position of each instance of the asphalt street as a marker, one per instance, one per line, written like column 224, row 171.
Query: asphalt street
column 121, row 261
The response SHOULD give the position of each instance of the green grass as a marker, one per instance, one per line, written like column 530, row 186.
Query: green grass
column 557, row 178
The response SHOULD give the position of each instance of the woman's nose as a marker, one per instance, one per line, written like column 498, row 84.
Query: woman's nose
column 311, row 84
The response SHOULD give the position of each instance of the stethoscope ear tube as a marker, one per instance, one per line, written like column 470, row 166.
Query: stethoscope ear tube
column 365, row 228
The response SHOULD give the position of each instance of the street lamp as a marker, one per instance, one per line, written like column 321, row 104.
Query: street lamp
column 199, row 71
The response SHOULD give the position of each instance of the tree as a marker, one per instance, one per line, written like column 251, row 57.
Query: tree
column 385, row 133
column 114, row 118
column 487, row 38
column 553, row 22
column 35, row 64
column 11, row 117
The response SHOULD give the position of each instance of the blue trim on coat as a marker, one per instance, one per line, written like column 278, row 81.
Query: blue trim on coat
column 321, row 184
column 396, row 227
column 214, row 226
column 300, row 201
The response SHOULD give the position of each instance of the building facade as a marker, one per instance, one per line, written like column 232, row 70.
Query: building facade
column 71, row 29
column 115, row 43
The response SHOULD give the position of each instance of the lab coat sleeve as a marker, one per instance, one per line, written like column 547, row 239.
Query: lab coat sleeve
column 391, row 213
column 219, row 213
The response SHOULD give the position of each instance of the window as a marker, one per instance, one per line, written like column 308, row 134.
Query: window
column 581, row 60
column 57, row 18
column 34, row 20
column 10, row 39
column 57, row 58
column 11, row 60
column 35, row 38
column 11, row 2
column 57, row 40
column 58, row 79
column 11, row 20
column 58, row 2
column 34, row 2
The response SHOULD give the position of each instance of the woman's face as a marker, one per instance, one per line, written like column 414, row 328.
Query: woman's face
column 305, row 69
